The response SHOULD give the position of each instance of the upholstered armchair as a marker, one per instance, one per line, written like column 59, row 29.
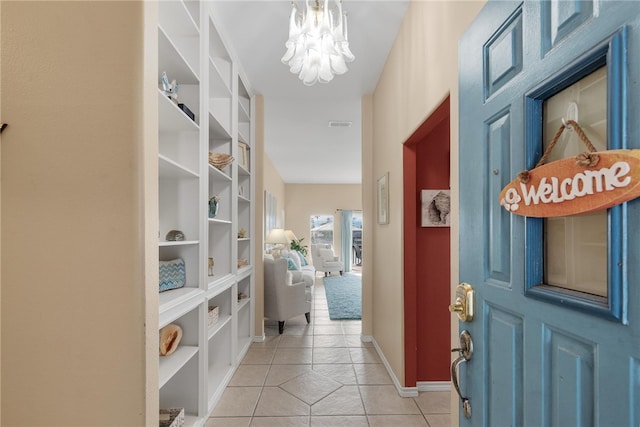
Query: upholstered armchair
column 283, row 299
column 324, row 259
column 301, row 273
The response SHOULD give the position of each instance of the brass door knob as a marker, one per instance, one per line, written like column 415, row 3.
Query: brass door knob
column 458, row 307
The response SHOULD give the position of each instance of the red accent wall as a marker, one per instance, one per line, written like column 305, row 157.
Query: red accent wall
column 433, row 263
column 427, row 254
column 410, row 278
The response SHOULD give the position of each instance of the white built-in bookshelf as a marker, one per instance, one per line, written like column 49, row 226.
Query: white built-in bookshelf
column 192, row 51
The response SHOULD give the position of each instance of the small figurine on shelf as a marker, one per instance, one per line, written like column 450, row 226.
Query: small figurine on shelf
column 170, row 89
column 214, row 204
column 170, row 337
column 210, row 266
column 242, row 262
column 242, row 233
column 174, row 236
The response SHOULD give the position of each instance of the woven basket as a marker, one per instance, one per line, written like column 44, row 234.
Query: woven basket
column 220, row 160
column 212, row 318
column 173, row 417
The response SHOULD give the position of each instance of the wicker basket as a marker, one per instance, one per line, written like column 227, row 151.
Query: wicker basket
column 171, row 417
column 220, row 160
column 213, row 315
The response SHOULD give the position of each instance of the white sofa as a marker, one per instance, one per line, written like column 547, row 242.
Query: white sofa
column 284, row 299
column 324, row 260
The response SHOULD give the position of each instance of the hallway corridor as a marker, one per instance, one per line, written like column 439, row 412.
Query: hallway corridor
column 320, row 375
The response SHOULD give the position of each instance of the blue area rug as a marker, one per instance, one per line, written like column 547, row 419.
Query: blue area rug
column 344, row 296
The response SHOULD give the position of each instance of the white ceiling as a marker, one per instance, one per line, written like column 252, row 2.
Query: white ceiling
column 298, row 139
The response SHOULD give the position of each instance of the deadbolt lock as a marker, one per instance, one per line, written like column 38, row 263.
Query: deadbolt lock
column 463, row 306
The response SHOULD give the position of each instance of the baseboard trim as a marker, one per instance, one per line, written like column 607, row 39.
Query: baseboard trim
column 433, row 385
column 259, row 338
column 402, row 391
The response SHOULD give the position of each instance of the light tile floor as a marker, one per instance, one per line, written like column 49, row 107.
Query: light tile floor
column 320, row 375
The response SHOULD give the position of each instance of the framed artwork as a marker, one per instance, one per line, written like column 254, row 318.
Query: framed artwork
column 270, row 212
column 243, row 155
column 436, row 206
column 383, row 199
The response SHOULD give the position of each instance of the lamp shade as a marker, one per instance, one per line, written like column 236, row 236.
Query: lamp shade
column 277, row 236
column 290, row 235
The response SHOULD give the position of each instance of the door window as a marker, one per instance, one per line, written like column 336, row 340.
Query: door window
column 575, row 247
column 578, row 261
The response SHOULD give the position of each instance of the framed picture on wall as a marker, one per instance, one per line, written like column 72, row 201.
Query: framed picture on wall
column 383, row 199
column 436, row 205
column 243, row 155
column 270, row 212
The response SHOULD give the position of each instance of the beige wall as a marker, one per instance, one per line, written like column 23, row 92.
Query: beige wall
column 148, row 182
column 0, row 223
column 420, row 71
column 73, row 231
column 304, row 200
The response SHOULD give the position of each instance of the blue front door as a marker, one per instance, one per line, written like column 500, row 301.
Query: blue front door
column 556, row 330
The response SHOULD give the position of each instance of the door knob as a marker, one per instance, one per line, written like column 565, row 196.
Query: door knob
column 458, row 307
column 463, row 306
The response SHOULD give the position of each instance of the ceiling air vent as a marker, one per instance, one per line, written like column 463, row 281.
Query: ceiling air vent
column 339, row 124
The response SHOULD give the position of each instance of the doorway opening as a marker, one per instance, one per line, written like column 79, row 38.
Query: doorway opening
column 427, row 266
column 356, row 242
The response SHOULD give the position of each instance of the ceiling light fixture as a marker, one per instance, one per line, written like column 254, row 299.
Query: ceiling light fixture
column 318, row 45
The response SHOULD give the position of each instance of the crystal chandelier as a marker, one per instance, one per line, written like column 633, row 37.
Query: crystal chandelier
column 318, row 47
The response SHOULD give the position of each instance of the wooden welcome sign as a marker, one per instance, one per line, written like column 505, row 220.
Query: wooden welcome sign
column 589, row 182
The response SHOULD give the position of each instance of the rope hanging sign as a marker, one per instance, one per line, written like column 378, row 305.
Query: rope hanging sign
column 589, row 182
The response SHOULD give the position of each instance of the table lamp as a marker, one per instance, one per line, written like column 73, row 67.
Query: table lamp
column 277, row 237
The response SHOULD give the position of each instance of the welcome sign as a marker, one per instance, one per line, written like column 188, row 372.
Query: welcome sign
column 564, row 187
